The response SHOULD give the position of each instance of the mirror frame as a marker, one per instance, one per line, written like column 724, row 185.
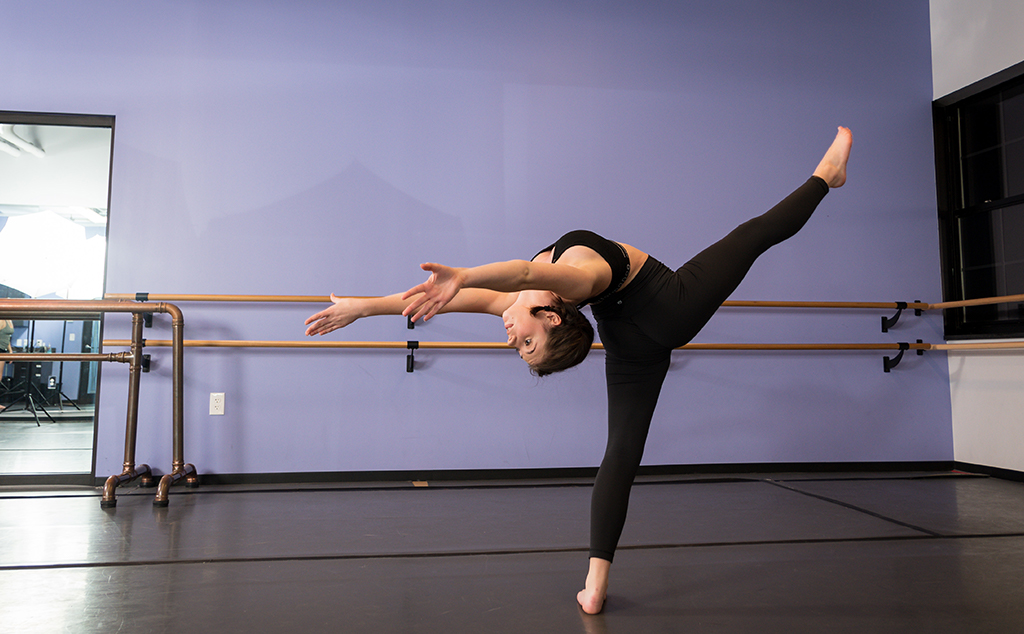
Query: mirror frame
column 80, row 121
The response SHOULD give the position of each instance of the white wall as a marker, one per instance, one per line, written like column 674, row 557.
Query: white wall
column 988, row 408
column 971, row 40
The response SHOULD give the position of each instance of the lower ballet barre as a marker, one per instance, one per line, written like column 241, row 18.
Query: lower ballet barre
column 888, row 363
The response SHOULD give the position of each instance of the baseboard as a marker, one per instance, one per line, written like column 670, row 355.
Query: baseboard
column 464, row 475
column 73, row 479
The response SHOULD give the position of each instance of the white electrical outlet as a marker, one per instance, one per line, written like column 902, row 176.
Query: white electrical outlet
column 216, row 403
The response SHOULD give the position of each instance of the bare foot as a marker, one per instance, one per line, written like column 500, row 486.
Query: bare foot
column 832, row 168
column 591, row 597
column 591, row 601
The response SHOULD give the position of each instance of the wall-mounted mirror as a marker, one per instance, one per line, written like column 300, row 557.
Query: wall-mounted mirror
column 54, row 196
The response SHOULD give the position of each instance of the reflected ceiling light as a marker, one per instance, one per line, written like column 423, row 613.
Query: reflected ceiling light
column 8, row 134
column 10, row 149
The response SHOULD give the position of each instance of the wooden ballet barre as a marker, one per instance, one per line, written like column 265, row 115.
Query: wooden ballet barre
column 1005, row 299
column 484, row 345
column 783, row 304
column 887, row 322
column 322, row 299
column 987, row 345
column 887, row 362
column 919, row 347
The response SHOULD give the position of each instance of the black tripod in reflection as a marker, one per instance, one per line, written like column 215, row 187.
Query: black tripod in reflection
column 28, row 380
column 22, row 386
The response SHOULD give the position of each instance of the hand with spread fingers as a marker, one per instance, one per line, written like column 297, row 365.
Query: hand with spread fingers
column 441, row 287
column 342, row 312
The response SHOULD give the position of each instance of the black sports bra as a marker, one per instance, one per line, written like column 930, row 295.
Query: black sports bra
column 612, row 252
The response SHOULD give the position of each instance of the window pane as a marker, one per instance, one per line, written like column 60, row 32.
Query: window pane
column 977, row 242
column 1013, row 278
column 1013, row 113
column 980, row 126
column 980, row 282
column 983, row 177
column 1013, row 235
column 1015, row 168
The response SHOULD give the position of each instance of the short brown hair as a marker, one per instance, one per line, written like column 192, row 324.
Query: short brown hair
column 568, row 343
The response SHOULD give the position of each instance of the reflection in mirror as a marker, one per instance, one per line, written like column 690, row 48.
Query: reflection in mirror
column 54, row 192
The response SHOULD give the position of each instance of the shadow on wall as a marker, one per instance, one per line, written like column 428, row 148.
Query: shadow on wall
column 332, row 236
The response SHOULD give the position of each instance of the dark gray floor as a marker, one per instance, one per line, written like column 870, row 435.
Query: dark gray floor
column 798, row 553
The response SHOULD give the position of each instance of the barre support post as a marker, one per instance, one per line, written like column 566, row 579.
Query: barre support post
column 130, row 472
column 180, row 470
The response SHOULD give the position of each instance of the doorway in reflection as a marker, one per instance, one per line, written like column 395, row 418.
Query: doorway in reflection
column 54, row 199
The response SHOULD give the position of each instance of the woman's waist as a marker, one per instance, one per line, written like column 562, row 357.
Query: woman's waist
column 636, row 293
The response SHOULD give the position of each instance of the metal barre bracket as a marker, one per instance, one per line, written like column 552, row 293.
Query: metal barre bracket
column 410, row 361
column 889, row 364
column 889, row 322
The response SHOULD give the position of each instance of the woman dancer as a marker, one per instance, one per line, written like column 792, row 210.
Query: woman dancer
column 643, row 310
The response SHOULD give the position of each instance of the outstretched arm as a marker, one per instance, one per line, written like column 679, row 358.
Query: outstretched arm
column 572, row 283
column 345, row 310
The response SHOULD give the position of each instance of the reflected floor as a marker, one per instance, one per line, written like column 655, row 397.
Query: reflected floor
column 61, row 446
column 935, row 552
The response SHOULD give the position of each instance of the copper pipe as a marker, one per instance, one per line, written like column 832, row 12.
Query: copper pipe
column 134, row 379
column 186, row 472
column 58, row 308
column 129, row 472
column 109, row 499
column 117, row 357
column 179, row 468
column 90, row 309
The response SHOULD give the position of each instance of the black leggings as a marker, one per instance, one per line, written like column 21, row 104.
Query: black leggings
column 641, row 324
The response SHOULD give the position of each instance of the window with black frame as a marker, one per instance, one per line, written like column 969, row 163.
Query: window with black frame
column 979, row 141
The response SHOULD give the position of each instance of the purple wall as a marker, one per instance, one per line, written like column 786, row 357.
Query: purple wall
column 310, row 147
